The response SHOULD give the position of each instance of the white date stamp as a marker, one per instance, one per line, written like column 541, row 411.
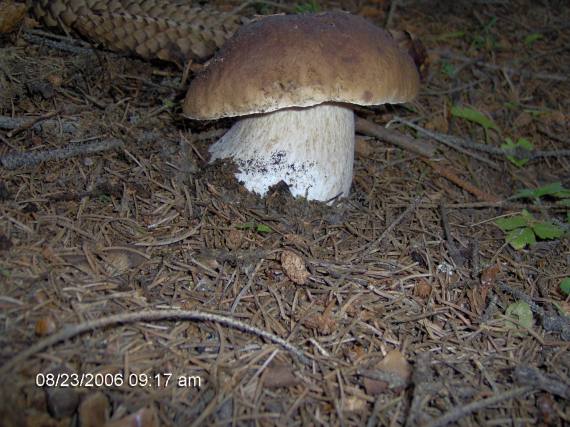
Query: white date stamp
column 86, row 379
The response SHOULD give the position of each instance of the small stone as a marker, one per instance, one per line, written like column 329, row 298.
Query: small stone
column 61, row 401
column 94, row 410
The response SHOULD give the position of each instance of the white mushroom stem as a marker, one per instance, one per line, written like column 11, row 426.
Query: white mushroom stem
column 310, row 149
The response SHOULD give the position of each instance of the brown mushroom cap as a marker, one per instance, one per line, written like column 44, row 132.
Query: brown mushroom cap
column 301, row 61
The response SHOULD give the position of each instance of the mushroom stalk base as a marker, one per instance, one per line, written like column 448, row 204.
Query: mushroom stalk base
column 310, row 149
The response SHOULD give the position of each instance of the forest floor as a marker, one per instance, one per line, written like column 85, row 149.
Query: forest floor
column 436, row 294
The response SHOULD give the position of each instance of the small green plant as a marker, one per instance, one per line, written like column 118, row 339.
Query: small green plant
column 530, row 39
column 520, row 151
column 485, row 39
column 450, row 35
column 565, row 286
column 105, row 198
column 308, row 7
column 523, row 229
column 448, row 69
column 260, row 228
column 554, row 189
column 262, row 8
column 475, row 116
column 521, row 312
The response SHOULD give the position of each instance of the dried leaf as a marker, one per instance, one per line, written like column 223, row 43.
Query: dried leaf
column 11, row 14
column 423, row 289
column 119, row 260
column 323, row 323
column 45, row 326
column 374, row 387
column 396, row 363
column 353, row 404
column 362, row 147
column 94, row 410
column 142, row 418
column 354, row 352
column 523, row 119
column 279, row 376
column 489, row 275
column 234, row 239
column 294, row 267
column 37, row 419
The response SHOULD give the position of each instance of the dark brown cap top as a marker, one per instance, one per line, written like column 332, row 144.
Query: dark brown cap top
column 301, row 61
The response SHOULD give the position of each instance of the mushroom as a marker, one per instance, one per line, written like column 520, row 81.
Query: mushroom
column 294, row 78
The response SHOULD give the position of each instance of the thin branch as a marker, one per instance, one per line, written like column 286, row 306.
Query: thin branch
column 460, row 182
column 527, row 375
column 147, row 316
column 511, row 70
column 64, row 45
column 30, row 158
column 462, row 411
column 448, row 140
column 373, row 247
column 452, row 248
column 391, row 13
column 456, row 142
column 39, row 124
column 422, row 148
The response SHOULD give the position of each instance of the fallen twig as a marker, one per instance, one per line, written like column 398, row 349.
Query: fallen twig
column 366, row 127
column 456, row 142
column 470, row 188
column 534, row 377
column 452, row 248
column 147, row 316
column 31, row 158
column 65, row 44
column 462, row 411
column 424, row 385
column 373, row 247
column 39, row 124
column 523, row 71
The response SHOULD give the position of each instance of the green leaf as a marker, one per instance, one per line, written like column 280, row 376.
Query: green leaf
column 507, row 224
column 547, row 230
column 512, row 105
column 521, row 312
column 260, row 228
column 520, row 146
column 531, row 38
column 450, row 35
column 474, row 116
column 307, row 7
column 168, row 103
column 565, row 286
column 525, row 144
column 563, row 194
column 520, row 237
column 448, row 69
column 551, row 189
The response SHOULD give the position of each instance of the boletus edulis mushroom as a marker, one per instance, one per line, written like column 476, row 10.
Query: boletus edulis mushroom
column 292, row 80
